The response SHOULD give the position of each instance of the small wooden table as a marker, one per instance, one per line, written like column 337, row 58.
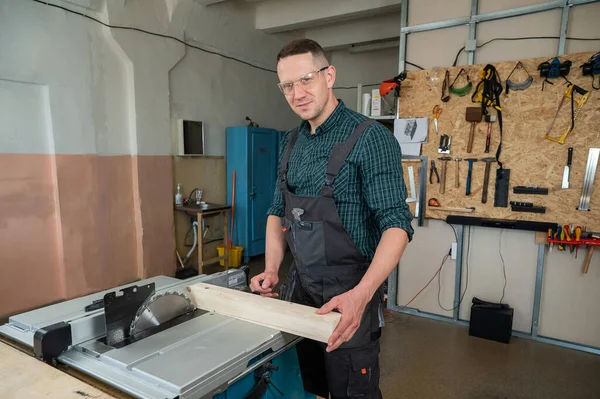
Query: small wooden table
column 201, row 211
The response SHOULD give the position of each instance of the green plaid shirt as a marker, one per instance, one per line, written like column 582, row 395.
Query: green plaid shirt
column 370, row 193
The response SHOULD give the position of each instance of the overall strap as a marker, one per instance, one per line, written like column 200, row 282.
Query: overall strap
column 338, row 156
column 285, row 158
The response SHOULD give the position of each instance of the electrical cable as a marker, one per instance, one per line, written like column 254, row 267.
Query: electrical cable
column 453, row 229
column 437, row 273
column 466, row 283
column 153, row 34
column 523, row 38
column 46, row 3
column 503, row 265
column 415, row 65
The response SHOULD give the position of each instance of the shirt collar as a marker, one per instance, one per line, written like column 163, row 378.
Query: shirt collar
column 330, row 123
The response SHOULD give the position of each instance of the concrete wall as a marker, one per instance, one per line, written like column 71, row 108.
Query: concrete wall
column 568, row 298
column 86, row 183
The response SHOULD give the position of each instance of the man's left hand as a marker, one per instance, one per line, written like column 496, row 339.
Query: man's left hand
column 351, row 305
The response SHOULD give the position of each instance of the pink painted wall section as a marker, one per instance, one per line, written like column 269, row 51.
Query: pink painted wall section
column 71, row 225
column 98, row 228
column 155, row 179
column 30, row 265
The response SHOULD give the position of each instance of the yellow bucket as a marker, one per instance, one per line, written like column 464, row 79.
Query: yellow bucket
column 235, row 255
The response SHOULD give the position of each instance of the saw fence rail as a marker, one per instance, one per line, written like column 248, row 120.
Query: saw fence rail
column 533, row 160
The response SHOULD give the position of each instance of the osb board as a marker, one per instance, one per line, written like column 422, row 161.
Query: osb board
column 532, row 159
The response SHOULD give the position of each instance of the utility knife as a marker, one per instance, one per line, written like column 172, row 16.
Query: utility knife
column 565, row 182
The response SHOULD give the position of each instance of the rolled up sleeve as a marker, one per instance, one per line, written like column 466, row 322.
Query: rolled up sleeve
column 384, row 188
column 277, row 206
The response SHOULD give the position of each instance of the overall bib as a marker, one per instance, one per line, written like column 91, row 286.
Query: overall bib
column 327, row 263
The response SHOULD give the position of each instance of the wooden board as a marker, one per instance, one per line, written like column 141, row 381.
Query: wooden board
column 22, row 376
column 270, row 312
column 532, row 159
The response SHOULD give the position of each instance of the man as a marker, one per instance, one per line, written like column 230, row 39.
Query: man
column 340, row 206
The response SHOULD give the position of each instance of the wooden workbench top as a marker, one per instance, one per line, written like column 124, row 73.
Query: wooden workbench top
column 22, row 376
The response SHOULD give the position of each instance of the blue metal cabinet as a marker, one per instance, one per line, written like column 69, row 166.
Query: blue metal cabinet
column 253, row 154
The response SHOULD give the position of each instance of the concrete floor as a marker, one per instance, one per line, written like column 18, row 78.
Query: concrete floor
column 423, row 358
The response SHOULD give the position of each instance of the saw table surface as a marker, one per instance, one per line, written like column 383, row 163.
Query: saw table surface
column 22, row 376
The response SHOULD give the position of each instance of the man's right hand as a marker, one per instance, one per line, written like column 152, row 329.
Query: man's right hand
column 264, row 284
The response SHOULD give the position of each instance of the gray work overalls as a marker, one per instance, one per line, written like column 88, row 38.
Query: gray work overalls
column 327, row 263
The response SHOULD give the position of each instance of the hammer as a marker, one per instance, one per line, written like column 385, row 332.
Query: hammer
column 443, row 178
column 486, row 178
column 470, row 160
column 473, row 115
column 456, row 178
column 489, row 119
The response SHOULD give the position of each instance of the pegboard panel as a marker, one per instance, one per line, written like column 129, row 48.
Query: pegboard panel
column 532, row 159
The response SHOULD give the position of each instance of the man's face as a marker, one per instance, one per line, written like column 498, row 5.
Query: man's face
column 305, row 89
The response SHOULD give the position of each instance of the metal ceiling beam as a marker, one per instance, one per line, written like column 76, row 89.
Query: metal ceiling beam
column 473, row 31
column 495, row 15
column 403, row 24
column 563, row 28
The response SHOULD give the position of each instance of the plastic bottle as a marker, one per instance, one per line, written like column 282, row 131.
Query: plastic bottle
column 178, row 196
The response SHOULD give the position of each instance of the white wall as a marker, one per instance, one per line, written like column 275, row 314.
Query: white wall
column 83, row 69
column 370, row 67
column 223, row 92
column 114, row 92
column 569, row 299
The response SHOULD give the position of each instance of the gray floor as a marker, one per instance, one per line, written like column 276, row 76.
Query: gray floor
column 423, row 358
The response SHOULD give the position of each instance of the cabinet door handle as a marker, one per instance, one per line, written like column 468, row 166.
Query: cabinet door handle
column 252, row 195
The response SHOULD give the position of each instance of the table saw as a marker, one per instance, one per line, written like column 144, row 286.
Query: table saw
column 148, row 340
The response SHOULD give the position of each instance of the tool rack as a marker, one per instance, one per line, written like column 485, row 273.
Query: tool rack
column 590, row 242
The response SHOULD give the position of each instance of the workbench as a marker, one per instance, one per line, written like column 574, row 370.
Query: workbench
column 201, row 211
column 23, row 376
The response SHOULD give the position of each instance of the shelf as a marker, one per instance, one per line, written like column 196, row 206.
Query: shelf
column 383, row 117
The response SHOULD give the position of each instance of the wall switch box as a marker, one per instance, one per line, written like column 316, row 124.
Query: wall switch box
column 453, row 251
column 470, row 45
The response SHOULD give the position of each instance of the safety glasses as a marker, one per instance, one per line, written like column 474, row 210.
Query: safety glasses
column 307, row 80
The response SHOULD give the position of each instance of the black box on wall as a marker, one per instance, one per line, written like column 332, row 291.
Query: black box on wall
column 491, row 321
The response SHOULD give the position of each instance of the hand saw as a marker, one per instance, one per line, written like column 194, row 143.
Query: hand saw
column 574, row 112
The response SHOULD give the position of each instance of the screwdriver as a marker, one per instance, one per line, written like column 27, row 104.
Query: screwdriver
column 577, row 238
column 567, row 233
column 561, row 236
column 550, row 237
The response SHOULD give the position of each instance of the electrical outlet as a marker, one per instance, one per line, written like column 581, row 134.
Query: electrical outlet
column 453, row 251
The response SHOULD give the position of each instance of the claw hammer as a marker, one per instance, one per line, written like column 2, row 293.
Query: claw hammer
column 443, row 178
column 470, row 173
column 456, row 184
column 486, row 178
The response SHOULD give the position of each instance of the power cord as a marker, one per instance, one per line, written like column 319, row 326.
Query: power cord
column 152, row 34
column 46, row 3
column 462, row 296
column 438, row 272
column 503, row 265
column 522, row 38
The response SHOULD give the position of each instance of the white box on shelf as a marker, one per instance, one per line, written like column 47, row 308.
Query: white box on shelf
column 375, row 103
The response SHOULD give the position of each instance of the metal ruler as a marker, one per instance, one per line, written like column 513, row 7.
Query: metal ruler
column 588, row 179
column 413, row 191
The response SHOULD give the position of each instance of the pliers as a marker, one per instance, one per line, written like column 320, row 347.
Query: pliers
column 433, row 169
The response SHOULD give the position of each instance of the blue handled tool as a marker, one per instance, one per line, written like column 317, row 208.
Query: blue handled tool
column 470, row 160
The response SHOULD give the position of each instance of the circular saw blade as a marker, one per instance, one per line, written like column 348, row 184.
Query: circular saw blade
column 159, row 309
